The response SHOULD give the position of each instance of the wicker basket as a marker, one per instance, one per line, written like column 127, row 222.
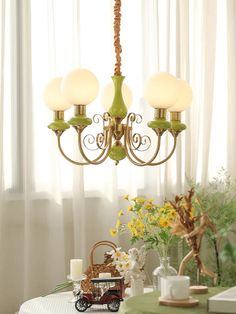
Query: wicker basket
column 94, row 269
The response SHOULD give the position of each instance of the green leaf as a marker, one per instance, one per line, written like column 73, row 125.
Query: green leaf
column 60, row 287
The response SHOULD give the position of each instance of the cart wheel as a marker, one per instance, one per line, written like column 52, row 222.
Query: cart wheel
column 81, row 305
column 114, row 305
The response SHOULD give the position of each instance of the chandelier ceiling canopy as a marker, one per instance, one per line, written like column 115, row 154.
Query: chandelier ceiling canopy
column 117, row 140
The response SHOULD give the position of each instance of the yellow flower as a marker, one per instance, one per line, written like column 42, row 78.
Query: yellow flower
column 120, row 213
column 150, row 200
column 130, row 225
column 168, row 205
column 161, row 210
column 140, row 200
column 130, row 208
column 148, row 206
column 136, row 227
column 164, row 222
column 126, row 197
column 134, row 232
column 172, row 213
column 139, row 231
column 118, row 223
column 113, row 232
column 137, row 221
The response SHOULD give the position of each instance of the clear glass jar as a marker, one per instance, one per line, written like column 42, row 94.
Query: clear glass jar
column 162, row 271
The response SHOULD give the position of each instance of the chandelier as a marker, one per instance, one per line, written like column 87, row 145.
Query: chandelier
column 117, row 140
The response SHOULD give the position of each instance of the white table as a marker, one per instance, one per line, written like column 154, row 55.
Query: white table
column 59, row 304
column 55, row 304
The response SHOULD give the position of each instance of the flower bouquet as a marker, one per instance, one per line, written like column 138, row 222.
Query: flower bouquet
column 151, row 224
column 148, row 222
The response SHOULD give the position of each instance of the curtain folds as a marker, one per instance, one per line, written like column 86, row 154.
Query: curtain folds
column 231, row 81
column 52, row 211
column 2, row 35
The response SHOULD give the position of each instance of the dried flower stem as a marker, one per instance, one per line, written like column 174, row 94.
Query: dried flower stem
column 192, row 233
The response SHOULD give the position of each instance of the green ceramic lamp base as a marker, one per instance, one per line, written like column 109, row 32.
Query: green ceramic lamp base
column 178, row 126
column 58, row 125
column 160, row 123
column 80, row 120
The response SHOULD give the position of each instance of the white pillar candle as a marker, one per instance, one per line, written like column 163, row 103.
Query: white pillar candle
column 76, row 268
column 104, row 275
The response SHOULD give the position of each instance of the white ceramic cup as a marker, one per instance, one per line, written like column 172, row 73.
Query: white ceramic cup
column 175, row 287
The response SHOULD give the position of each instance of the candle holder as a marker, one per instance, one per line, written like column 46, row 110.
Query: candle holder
column 76, row 287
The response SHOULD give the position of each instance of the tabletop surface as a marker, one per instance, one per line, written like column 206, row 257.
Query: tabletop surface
column 60, row 304
column 56, row 304
column 145, row 304
column 148, row 303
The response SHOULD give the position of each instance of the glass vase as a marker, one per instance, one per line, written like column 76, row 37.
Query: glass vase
column 162, row 271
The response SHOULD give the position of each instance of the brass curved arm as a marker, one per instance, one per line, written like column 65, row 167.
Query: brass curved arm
column 96, row 161
column 128, row 140
column 65, row 156
column 141, row 163
column 131, row 118
column 170, row 154
column 105, row 151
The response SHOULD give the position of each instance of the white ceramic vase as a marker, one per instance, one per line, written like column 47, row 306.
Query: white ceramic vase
column 137, row 287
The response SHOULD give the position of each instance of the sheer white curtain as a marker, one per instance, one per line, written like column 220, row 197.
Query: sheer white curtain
column 231, row 83
column 30, row 231
column 52, row 211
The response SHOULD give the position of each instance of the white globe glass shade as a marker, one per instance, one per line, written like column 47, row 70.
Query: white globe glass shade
column 80, row 87
column 185, row 97
column 108, row 92
column 53, row 97
column 161, row 90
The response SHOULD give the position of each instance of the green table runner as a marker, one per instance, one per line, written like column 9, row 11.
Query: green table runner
column 148, row 303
